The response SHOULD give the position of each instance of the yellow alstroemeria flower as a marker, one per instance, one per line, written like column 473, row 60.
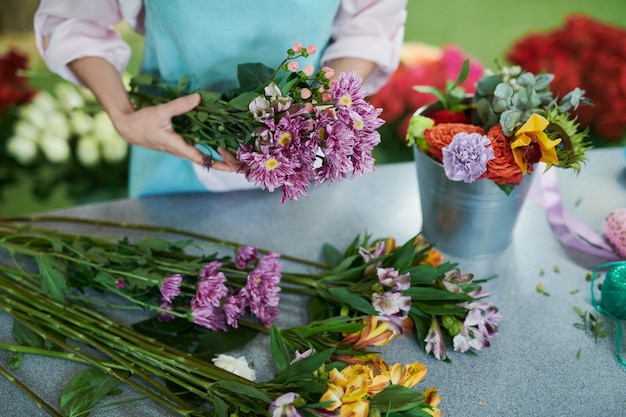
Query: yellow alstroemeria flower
column 376, row 333
column 433, row 399
column 355, row 390
column 360, row 408
column 533, row 131
column 407, row 375
column 333, row 393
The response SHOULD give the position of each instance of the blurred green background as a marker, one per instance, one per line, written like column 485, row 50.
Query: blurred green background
column 484, row 29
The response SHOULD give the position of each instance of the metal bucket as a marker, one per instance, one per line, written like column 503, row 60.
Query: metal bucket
column 466, row 219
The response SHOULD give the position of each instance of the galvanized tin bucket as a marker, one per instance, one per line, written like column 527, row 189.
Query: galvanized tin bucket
column 466, row 219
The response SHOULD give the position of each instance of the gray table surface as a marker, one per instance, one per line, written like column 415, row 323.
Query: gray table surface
column 530, row 370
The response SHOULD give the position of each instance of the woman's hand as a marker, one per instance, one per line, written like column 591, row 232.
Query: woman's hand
column 150, row 127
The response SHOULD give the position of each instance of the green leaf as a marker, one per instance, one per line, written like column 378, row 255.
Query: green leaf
column 182, row 85
column 85, row 390
column 426, row 274
column 303, row 368
column 355, row 302
column 15, row 361
column 431, row 294
column 253, row 77
column 242, row 390
column 24, row 336
column 396, row 398
column 190, row 338
column 242, row 101
column 332, row 255
column 278, row 348
column 52, row 280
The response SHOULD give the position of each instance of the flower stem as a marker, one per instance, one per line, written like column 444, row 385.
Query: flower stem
column 146, row 227
column 34, row 397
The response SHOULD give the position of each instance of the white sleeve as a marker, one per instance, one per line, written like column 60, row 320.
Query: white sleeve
column 372, row 30
column 69, row 29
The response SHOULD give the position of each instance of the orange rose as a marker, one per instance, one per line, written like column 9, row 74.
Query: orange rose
column 502, row 169
column 441, row 135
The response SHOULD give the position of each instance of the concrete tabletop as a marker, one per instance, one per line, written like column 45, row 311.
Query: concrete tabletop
column 531, row 369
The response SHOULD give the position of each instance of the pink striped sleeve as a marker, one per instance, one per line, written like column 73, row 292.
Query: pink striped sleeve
column 69, row 29
column 372, row 30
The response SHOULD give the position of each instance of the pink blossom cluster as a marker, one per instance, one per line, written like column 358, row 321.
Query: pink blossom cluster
column 216, row 305
column 298, row 143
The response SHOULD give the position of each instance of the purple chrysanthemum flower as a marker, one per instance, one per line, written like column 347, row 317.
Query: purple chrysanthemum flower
column 346, row 91
column 234, row 307
column 246, row 255
column 210, row 317
column 390, row 277
column 466, row 157
column 262, row 290
column 170, row 287
column 337, row 148
column 211, row 290
column 266, row 169
column 162, row 315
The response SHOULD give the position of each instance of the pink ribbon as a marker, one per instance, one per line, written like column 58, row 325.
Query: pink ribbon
column 571, row 231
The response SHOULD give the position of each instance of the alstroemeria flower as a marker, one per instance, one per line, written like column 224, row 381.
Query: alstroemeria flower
column 527, row 138
column 284, row 406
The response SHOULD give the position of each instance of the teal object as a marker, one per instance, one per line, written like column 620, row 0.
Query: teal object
column 613, row 303
column 206, row 40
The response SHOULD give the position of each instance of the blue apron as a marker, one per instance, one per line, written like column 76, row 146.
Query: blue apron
column 206, row 40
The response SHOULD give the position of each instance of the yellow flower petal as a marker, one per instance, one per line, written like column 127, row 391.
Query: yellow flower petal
column 359, row 408
column 356, row 390
column 533, row 130
column 334, row 393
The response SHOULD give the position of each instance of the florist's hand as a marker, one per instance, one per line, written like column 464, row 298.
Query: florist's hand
column 151, row 128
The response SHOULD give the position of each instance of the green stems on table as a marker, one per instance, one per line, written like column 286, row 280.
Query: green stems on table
column 146, row 227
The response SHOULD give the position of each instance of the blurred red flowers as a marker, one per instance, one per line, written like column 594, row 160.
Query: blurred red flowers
column 421, row 64
column 13, row 88
column 585, row 53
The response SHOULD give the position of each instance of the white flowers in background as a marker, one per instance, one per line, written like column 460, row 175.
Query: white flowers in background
column 238, row 366
column 57, row 127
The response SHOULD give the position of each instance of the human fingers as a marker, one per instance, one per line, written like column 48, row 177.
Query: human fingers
column 182, row 104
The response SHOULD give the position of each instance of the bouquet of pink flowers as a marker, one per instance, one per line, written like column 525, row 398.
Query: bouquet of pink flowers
column 289, row 127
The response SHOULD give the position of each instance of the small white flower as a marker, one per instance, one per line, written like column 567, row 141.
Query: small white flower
column 80, row 122
column 103, row 127
column 58, row 125
column 68, row 97
column 114, row 149
column 26, row 130
column 45, row 102
column 238, row 366
column 88, row 151
column 56, row 149
column 23, row 149
column 34, row 115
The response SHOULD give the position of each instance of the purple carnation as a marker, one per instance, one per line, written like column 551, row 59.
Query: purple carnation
column 466, row 157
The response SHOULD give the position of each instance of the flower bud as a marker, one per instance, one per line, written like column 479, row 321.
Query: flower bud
column 55, row 148
column 80, row 122
column 22, row 149
column 87, row 151
column 68, row 97
column 114, row 149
